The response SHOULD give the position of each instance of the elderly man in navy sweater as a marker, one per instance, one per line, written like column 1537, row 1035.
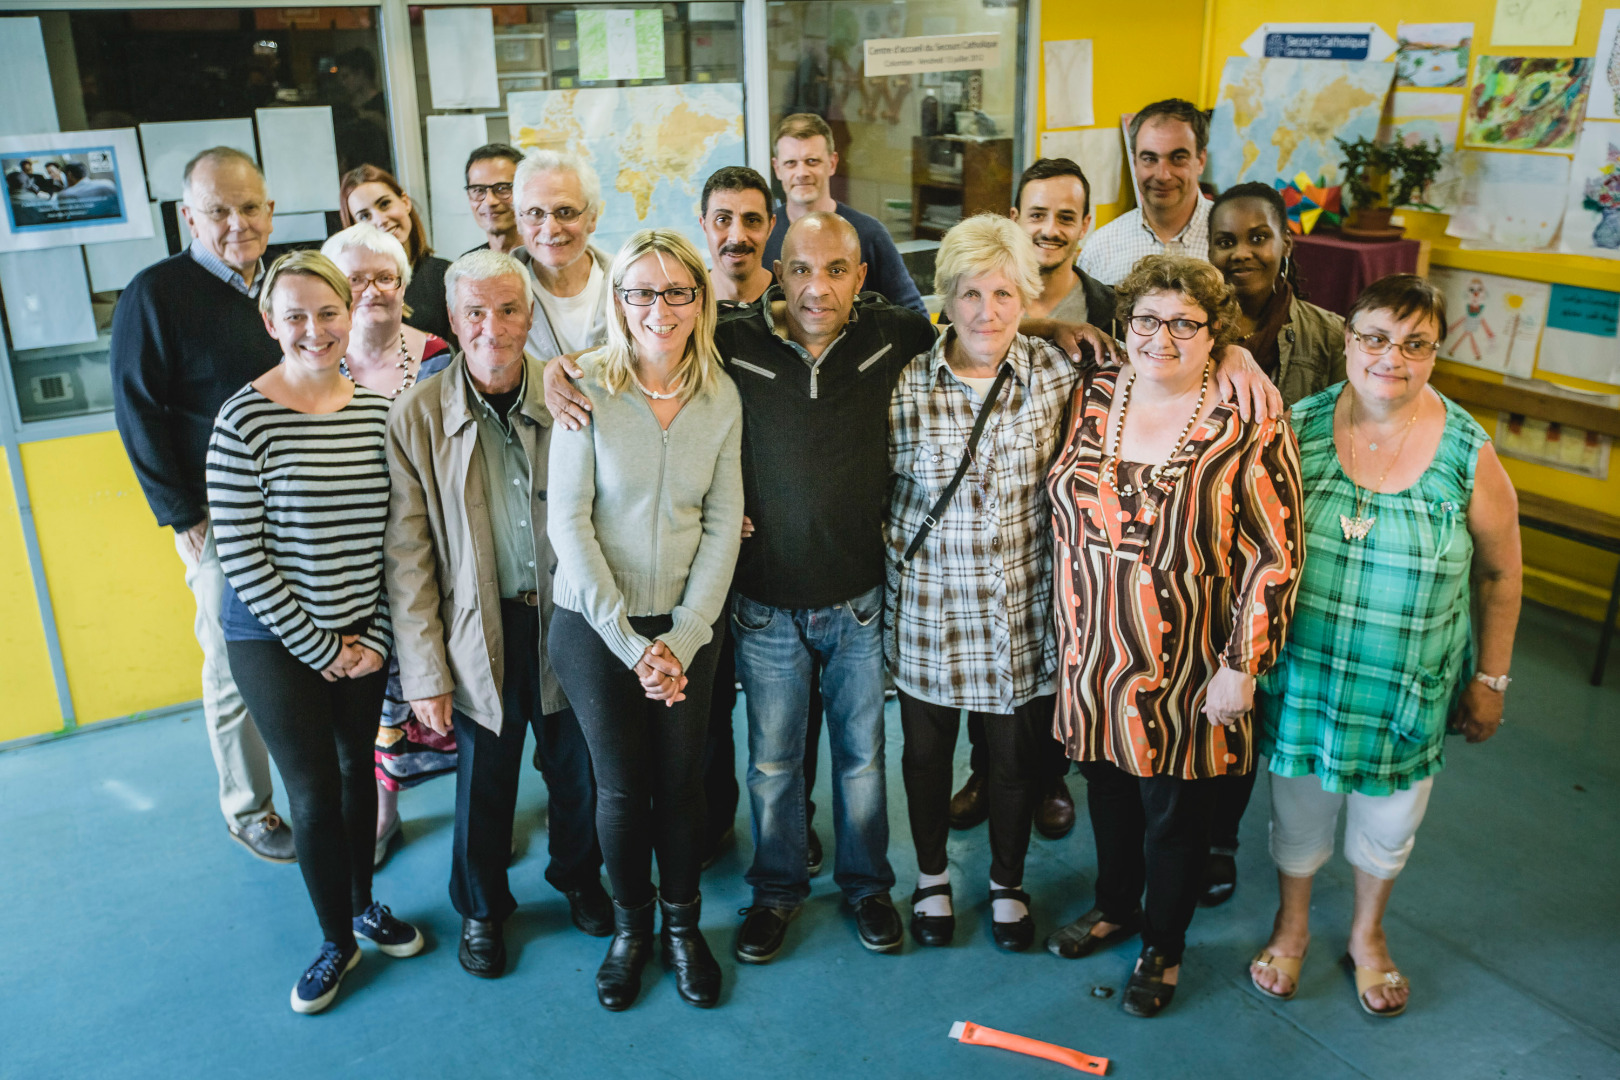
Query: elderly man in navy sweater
column 186, row 335
column 804, row 158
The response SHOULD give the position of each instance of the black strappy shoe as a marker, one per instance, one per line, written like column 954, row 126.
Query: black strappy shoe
column 932, row 930
column 1012, row 936
column 1147, row 992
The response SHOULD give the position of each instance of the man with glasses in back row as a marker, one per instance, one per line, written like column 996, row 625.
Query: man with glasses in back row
column 489, row 174
column 559, row 199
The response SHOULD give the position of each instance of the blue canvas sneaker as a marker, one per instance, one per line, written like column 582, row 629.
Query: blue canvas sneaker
column 320, row 983
column 391, row 935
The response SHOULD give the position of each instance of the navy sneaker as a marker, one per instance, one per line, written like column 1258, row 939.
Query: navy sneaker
column 393, row 937
column 320, row 983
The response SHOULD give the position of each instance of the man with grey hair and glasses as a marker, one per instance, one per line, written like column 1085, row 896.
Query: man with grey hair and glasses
column 469, row 569
column 186, row 335
column 558, row 198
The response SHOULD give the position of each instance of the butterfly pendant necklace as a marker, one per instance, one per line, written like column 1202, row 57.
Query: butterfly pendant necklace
column 1357, row 528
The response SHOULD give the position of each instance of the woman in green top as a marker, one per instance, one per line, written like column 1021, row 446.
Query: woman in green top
column 1300, row 347
column 1406, row 503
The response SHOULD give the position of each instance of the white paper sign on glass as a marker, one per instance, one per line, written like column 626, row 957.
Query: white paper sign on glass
column 461, row 57
column 1068, row 83
column 169, row 146
column 48, row 297
column 948, row 52
column 26, row 101
column 112, row 265
column 72, row 187
column 449, row 140
column 621, row 45
column 1100, row 154
column 300, row 158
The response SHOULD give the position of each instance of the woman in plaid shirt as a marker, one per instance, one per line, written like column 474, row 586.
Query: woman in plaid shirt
column 1407, row 512
column 970, row 615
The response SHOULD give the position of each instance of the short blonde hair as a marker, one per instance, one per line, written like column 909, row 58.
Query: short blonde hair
column 803, row 126
column 983, row 244
column 309, row 263
column 1194, row 279
column 614, row 364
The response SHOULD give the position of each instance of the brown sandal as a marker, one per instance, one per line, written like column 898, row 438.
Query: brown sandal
column 1369, row 978
column 1288, row 965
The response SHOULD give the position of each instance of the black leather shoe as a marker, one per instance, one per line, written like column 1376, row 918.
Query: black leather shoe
column 618, row 980
column 1054, row 814
column 591, row 909
column 971, row 805
column 686, row 952
column 483, row 948
column 1220, row 879
column 1147, row 993
column 1012, row 936
column 814, row 857
column 878, row 923
column 1076, row 940
column 715, row 847
column 762, row 933
column 933, row 931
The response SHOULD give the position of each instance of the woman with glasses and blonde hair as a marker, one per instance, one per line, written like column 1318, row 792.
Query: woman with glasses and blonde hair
column 1408, row 511
column 389, row 357
column 1177, row 549
column 646, row 508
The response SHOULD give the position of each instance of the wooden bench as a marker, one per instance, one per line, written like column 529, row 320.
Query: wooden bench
column 1571, row 521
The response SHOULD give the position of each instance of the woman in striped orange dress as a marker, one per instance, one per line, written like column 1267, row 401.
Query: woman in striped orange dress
column 1177, row 552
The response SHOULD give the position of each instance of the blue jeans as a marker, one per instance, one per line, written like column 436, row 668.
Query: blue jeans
column 777, row 651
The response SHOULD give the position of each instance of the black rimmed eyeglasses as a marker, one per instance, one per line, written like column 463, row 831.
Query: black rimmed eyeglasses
column 480, row 192
column 1180, row 329
column 674, row 296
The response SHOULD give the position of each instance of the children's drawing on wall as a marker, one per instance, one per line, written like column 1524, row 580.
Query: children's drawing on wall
column 1527, row 102
column 1592, row 213
column 1433, row 54
column 1494, row 322
column 1510, row 202
column 1604, row 104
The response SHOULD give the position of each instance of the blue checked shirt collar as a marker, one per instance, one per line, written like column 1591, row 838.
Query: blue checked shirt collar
column 216, row 266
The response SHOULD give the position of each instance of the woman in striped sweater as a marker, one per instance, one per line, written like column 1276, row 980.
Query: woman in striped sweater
column 298, row 494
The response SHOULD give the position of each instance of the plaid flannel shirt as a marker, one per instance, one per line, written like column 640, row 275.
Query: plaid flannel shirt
column 1115, row 248
column 971, row 614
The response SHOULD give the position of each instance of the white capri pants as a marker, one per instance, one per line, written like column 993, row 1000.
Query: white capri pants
column 1379, row 830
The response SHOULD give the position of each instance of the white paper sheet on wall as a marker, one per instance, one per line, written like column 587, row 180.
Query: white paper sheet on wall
column 47, row 298
column 26, row 102
column 1100, row 154
column 461, row 57
column 112, row 265
column 167, row 147
column 299, row 228
column 1068, row 83
column 300, row 158
column 449, row 140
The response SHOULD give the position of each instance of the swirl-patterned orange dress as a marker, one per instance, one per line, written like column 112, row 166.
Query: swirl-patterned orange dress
column 1155, row 591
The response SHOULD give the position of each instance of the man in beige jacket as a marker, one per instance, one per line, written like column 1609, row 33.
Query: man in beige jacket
column 469, row 584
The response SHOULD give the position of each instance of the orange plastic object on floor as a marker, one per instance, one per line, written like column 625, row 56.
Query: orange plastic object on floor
column 971, row 1033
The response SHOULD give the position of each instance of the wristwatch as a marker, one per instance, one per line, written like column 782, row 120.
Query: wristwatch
column 1499, row 683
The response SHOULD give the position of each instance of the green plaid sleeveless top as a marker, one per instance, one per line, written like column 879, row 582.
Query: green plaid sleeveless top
column 1380, row 646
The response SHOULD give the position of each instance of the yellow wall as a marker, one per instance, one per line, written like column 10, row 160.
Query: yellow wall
column 123, row 613
column 1137, row 57
column 30, row 706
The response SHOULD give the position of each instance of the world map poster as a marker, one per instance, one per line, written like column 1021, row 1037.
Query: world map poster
column 1276, row 118
column 652, row 146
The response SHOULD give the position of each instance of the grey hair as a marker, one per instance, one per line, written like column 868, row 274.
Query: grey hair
column 363, row 234
column 482, row 265
column 217, row 155
column 536, row 162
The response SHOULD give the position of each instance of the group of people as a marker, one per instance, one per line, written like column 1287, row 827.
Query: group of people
column 1132, row 503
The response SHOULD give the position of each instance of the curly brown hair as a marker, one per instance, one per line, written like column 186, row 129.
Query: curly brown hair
column 1194, row 279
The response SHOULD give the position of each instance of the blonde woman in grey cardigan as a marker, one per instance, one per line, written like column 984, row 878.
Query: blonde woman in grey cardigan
column 646, row 509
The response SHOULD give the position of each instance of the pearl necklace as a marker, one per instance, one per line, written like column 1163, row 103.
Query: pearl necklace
column 405, row 383
column 1181, row 440
column 656, row 397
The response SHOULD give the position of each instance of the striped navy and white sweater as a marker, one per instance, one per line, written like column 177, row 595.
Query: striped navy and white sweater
column 299, row 502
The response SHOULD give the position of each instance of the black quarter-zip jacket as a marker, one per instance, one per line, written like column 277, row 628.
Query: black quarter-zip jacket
column 815, row 453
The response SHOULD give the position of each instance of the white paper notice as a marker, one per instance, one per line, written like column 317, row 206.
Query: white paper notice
column 113, row 264
column 299, row 228
column 47, row 298
column 449, row 140
column 300, row 158
column 461, row 57
column 621, row 45
column 26, row 101
column 1068, row 83
column 949, row 52
column 167, row 147
column 1100, row 154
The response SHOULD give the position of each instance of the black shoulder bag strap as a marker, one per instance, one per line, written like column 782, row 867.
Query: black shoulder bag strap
column 931, row 518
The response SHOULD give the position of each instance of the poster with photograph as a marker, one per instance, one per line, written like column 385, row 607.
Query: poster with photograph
column 72, row 187
column 1495, row 321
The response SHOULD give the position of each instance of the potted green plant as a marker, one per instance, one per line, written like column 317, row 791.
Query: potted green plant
column 1366, row 178
column 1413, row 166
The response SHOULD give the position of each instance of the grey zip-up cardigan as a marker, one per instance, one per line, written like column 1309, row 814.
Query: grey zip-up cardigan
column 647, row 521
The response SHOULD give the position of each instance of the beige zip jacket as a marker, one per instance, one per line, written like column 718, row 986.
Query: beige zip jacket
column 440, row 550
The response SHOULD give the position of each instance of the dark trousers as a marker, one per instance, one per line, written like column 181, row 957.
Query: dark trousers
column 647, row 757
column 1152, row 832
column 1051, row 759
column 1011, row 744
column 1231, row 799
column 321, row 735
column 488, row 764
column 721, row 791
